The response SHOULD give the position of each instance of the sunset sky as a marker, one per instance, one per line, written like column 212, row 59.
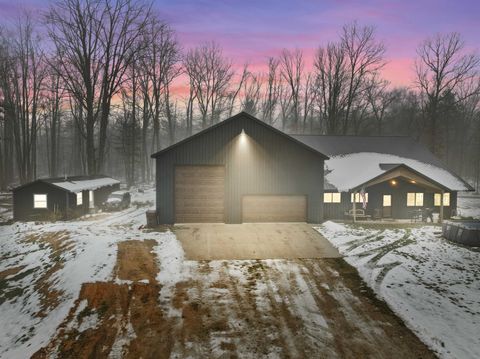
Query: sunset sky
column 254, row 30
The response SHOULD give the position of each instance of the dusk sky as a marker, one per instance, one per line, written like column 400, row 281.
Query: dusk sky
column 251, row 31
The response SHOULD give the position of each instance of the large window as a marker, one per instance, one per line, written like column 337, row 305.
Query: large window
column 332, row 197
column 39, row 201
column 414, row 199
column 79, row 198
column 446, row 199
column 358, row 198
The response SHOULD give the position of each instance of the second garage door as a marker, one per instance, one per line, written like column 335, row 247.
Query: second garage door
column 273, row 208
column 199, row 194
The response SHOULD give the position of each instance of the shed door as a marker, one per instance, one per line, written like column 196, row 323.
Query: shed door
column 274, row 208
column 199, row 194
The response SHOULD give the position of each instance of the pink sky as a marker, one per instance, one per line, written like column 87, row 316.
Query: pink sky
column 251, row 31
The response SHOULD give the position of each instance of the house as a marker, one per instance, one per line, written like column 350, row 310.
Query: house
column 243, row 170
column 53, row 198
column 239, row 170
column 392, row 176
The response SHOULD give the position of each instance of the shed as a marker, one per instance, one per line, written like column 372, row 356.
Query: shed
column 239, row 170
column 61, row 198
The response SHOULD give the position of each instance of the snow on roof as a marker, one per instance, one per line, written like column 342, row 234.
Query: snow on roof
column 88, row 184
column 346, row 172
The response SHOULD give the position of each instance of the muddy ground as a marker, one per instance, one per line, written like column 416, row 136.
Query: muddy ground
column 315, row 308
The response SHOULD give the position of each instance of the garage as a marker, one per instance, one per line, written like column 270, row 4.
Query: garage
column 199, row 194
column 239, row 170
column 274, row 208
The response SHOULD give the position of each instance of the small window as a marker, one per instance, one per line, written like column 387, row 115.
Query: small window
column 79, row 198
column 446, row 199
column 414, row 199
column 39, row 201
column 332, row 197
column 387, row 200
column 358, row 198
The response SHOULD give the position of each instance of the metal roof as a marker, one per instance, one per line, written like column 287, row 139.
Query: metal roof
column 400, row 146
column 75, row 183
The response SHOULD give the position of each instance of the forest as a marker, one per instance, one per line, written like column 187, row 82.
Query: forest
column 97, row 86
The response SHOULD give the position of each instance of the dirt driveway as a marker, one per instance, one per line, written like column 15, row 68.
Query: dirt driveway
column 253, row 241
column 272, row 308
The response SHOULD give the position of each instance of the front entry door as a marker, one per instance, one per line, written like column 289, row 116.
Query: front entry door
column 387, row 206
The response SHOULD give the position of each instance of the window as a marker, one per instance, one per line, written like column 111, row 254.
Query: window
column 332, row 197
column 358, row 198
column 39, row 201
column 90, row 199
column 387, row 200
column 414, row 199
column 446, row 199
column 79, row 198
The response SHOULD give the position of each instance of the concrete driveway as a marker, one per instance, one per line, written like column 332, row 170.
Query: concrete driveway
column 253, row 241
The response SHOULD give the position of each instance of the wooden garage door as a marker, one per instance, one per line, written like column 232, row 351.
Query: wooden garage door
column 199, row 194
column 274, row 209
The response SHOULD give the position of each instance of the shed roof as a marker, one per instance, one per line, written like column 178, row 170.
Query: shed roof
column 355, row 160
column 76, row 183
column 233, row 118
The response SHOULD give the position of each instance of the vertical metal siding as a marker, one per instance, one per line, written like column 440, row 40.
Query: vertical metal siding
column 273, row 165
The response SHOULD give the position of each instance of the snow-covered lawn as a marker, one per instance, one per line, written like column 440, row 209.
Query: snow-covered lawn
column 43, row 267
column 433, row 285
column 104, row 286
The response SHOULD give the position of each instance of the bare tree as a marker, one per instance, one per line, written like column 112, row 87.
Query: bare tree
column 209, row 74
column 251, row 94
column 379, row 98
column 96, row 39
column 364, row 57
column 292, row 66
column 442, row 66
column 21, row 81
column 272, row 91
column 331, row 82
column 233, row 96
column 160, row 61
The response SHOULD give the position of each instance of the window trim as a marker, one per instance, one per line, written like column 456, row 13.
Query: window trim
column 35, row 206
column 383, row 200
column 79, row 196
column 446, row 199
column 335, row 197
column 358, row 197
column 416, row 197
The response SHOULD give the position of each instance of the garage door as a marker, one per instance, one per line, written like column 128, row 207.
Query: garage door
column 199, row 194
column 274, row 209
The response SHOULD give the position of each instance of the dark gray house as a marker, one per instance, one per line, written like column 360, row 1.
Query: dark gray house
column 239, row 170
column 61, row 198
column 385, row 176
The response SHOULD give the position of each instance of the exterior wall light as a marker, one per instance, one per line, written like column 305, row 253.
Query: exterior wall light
column 393, row 182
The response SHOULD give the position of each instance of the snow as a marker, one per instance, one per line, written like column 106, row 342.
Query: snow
column 83, row 185
column 352, row 170
column 90, row 258
column 432, row 284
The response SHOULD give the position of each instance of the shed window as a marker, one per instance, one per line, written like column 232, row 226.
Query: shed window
column 332, row 197
column 446, row 199
column 387, row 200
column 414, row 199
column 39, row 201
column 358, row 198
column 79, row 198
